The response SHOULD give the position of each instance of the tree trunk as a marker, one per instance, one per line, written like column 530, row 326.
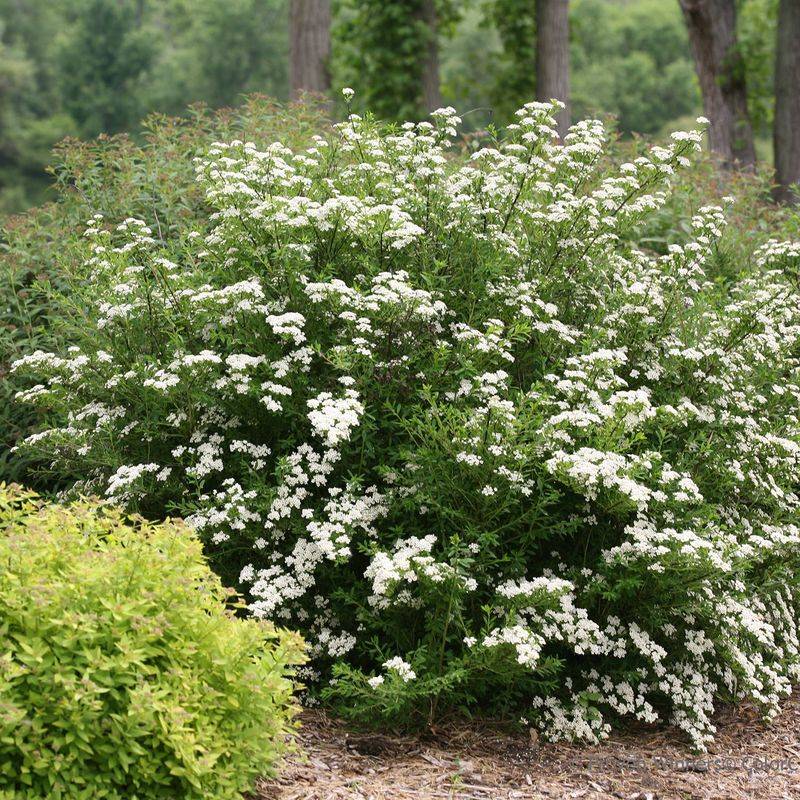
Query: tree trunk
column 718, row 63
column 431, row 92
column 786, row 131
column 552, row 56
column 309, row 46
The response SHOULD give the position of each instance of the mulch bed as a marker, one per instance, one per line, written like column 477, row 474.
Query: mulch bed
column 479, row 762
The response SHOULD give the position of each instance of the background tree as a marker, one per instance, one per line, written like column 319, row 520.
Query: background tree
column 102, row 64
column 720, row 70
column 78, row 67
column 31, row 112
column 214, row 52
column 309, row 46
column 431, row 88
column 16, row 79
column 632, row 60
column 552, row 56
column 786, row 132
column 514, row 62
column 389, row 53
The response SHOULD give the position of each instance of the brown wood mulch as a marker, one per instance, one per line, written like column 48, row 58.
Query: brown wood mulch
column 479, row 762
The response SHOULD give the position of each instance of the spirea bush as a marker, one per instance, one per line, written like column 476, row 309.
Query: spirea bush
column 122, row 674
column 448, row 419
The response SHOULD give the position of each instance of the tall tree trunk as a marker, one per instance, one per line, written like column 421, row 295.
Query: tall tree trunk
column 718, row 63
column 309, row 46
column 431, row 92
column 786, row 130
column 552, row 56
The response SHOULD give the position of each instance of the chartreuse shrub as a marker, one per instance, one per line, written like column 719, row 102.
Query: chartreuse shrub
column 451, row 420
column 122, row 674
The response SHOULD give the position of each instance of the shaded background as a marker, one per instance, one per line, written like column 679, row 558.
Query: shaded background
column 86, row 67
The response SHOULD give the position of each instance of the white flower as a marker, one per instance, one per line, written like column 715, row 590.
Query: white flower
column 402, row 668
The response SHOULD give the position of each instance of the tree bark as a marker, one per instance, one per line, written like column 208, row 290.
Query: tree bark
column 786, row 130
column 309, row 46
column 431, row 91
column 712, row 35
column 552, row 56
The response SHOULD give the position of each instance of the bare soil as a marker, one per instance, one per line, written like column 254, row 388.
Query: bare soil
column 481, row 762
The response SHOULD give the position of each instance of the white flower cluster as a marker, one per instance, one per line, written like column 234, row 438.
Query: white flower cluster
column 408, row 563
column 397, row 666
column 332, row 419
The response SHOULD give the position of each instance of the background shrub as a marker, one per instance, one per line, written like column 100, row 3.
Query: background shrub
column 449, row 418
column 122, row 674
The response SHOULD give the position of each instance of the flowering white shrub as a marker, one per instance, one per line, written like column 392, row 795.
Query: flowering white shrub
column 442, row 416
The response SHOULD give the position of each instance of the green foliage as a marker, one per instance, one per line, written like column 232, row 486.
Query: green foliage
column 41, row 250
column 515, row 63
column 28, row 123
column 122, row 674
column 756, row 36
column 631, row 60
column 97, row 66
column 215, row 52
column 102, row 63
column 468, row 56
column 380, row 51
column 15, row 79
